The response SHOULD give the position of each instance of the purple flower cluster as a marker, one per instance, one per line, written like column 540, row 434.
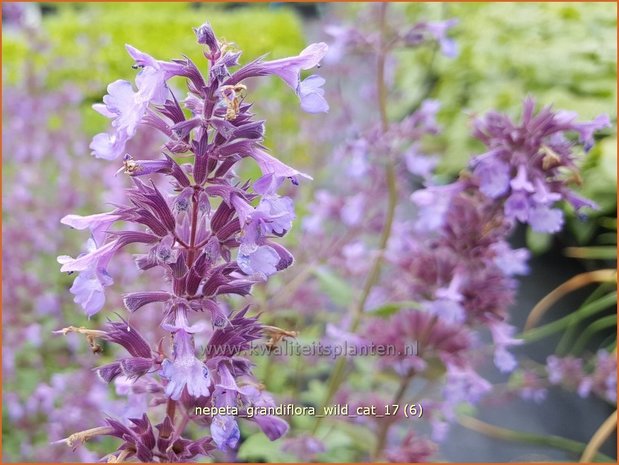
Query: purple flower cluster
column 349, row 38
column 211, row 235
column 459, row 264
column 449, row 274
column 598, row 376
column 34, row 202
column 527, row 164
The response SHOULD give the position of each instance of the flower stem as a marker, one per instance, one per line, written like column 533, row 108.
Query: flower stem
column 384, row 428
column 505, row 434
column 600, row 436
column 390, row 175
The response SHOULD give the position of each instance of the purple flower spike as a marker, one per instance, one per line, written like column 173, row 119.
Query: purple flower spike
column 206, row 231
column 526, row 163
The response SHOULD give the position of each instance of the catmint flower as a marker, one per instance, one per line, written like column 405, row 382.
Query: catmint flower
column 225, row 431
column 311, row 94
column 438, row 31
column 203, row 233
column 206, row 36
column 526, row 163
column 98, row 224
column 532, row 386
column 274, row 172
column 442, row 340
column 289, row 70
column 88, row 287
column 185, row 371
column 575, row 374
column 502, row 336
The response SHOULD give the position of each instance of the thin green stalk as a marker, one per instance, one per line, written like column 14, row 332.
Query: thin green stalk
column 564, row 343
column 598, row 325
column 556, row 442
column 560, row 324
column 384, row 429
column 391, row 180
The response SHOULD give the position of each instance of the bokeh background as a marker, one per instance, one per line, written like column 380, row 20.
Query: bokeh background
column 57, row 60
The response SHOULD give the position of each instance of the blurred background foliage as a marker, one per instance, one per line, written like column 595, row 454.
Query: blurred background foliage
column 83, row 44
column 562, row 53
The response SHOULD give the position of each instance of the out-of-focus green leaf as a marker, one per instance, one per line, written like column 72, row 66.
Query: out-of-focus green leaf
column 385, row 311
column 537, row 242
column 599, row 252
column 335, row 287
column 598, row 325
column 583, row 312
column 258, row 448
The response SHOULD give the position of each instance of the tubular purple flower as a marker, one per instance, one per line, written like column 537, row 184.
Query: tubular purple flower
column 273, row 427
column 311, row 94
column 225, row 431
column 258, row 261
column 185, row 371
column 127, row 336
column 289, row 69
column 119, row 105
column 206, row 36
column 274, row 172
column 96, row 257
column 438, row 30
column 493, row 178
column 98, row 223
column 88, row 289
column 151, row 80
column 136, row 300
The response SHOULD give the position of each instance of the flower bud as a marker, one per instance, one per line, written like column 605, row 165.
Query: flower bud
column 206, row 36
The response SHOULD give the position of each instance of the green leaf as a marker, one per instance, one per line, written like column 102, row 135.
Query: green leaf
column 598, row 325
column 385, row 311
column 583, row 312
column 537, row 242
column 258, row 448
column 335, row 287
column 595, row 252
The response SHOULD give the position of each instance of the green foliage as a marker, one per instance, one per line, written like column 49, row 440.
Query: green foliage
column 258, row 448
column 84, row 46
column 89, row 42
column 335, row 287
column 563, row 54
